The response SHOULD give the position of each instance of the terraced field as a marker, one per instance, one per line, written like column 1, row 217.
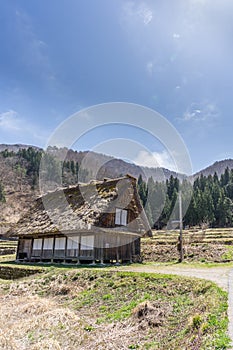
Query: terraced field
column 199, row 245
column 7, row 247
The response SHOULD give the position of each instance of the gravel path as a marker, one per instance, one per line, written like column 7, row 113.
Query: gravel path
column 222, row 276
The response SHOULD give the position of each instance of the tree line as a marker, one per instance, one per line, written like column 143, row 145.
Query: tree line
column 28, row 163
column 209, row 200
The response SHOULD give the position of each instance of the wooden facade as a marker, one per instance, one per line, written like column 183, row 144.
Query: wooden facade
column 105, row 229
column 80, row 248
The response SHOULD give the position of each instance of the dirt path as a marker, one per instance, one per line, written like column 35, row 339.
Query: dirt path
column 222, row 276
column 219, row 275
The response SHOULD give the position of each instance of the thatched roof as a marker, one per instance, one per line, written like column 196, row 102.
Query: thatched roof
column 84, row 208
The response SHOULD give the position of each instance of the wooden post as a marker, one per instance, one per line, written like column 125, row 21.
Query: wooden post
column 102, row 250
column 65, row 252
column 79, row 247
column 54, row 240
column 181, row 228
column 18, row 246
column 117, row 249
column 42, row 248
column 32, row 240
column 130, row 247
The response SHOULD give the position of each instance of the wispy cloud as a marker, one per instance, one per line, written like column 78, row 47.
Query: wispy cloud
column 34, row 49
column 19, row 128
column 10, row 121
column 155, row 159
column 201, row 112
column 135, row 11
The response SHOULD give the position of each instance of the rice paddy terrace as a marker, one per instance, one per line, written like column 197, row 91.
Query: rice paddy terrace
column 214, row 245
column 7, row 247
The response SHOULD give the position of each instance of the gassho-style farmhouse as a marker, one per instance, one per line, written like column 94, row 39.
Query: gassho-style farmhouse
column 99, row 222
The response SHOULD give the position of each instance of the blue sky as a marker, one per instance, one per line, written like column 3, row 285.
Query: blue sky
column 176, row 57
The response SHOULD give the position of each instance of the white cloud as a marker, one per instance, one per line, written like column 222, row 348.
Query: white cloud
column 18, row 128
column 155, row 159
column 137, row 11
column 176, row 36
column 201, row 112
column 10, row 121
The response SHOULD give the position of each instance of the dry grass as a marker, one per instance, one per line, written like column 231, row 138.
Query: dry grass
column 37, row 323
column 103, row 310
column 210, row 245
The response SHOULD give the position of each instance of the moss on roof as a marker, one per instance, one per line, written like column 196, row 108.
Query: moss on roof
column 81, row 208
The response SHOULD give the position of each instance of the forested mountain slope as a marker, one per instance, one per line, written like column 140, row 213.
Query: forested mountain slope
column 19, row 175
column 218, row 168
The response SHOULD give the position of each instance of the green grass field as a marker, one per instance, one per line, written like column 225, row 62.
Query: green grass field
column 98, row 309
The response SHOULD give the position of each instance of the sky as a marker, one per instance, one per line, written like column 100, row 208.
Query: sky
column 59, row 57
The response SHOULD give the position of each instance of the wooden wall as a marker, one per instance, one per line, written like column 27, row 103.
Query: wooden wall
column 91, row 247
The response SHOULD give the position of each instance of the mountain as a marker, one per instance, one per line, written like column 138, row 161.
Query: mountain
column 16, row 147
column 108, row 166
column 218, row 167
column 20, row 164
column 19, row 170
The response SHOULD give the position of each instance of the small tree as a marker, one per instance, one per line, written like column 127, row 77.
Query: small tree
column 2, row 193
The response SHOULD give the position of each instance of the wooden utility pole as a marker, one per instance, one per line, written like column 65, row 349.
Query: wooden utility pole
column 181, row 229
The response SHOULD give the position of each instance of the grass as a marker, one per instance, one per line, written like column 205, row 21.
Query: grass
column 85, row 307
column 7, row 258
column 103, row 309
column 228, row 255
column 189, row 264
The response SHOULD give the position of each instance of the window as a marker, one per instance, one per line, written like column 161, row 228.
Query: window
column 60, row 243
column 37, row 244
column 48, row 244
column 121, row 217
column 87, row 242
column 72, row 242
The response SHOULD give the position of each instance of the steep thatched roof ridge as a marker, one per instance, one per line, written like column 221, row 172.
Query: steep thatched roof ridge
column 84, row 208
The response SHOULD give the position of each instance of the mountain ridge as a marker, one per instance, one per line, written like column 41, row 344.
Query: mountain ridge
column 20, row 179
column 218, row 166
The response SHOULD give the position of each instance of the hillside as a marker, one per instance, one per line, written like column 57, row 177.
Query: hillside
column 218, row 167
column 66, row 309
column 16, row 147
column 19, row 174
column 19, row 169
column 17, row 186
column 111, row 167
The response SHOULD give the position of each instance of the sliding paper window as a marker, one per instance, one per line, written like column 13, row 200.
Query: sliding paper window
column 73, row 242
column 37, row 244
column 121, row 217
column 60, row 243
column 48, row 244
column 87, row 242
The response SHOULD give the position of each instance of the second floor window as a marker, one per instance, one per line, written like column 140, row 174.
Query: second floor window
column 121, row 217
